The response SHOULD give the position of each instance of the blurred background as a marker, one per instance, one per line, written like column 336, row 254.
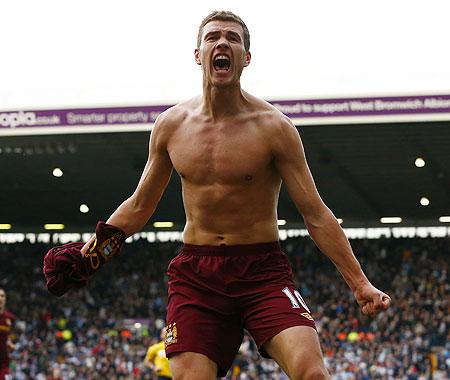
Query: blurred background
column 366, row 83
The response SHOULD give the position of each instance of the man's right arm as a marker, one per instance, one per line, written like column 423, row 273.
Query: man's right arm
column 72, row 265
column 132, row 215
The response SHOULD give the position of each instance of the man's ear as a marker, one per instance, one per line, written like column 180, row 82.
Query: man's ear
column 248, row 58
column 197, row 56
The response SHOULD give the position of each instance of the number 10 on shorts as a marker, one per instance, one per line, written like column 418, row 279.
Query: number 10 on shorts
column 296, row 299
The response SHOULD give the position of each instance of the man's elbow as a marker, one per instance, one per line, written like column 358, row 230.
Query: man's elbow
column 317, row 218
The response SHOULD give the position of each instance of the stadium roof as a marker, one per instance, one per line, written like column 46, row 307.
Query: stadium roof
column 363, row 172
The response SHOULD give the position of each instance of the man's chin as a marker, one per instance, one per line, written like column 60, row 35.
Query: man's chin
column 222, row 83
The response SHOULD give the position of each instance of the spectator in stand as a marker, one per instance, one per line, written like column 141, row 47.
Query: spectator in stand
column 395, row 346
column 6, row 325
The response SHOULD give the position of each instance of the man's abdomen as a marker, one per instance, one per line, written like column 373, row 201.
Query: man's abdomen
column 230, row 215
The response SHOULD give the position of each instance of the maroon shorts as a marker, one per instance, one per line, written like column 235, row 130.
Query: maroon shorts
column 215, row 292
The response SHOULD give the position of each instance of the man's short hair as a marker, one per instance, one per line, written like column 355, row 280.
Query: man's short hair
column 224, row 16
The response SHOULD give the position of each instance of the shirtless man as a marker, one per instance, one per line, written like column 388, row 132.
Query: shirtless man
column 232, row 152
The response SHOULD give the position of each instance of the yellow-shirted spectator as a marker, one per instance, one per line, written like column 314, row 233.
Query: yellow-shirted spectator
column 156, row 359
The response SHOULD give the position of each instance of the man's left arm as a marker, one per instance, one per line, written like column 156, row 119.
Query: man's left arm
column 322, row 225
column 9, row 340
column 10, row 344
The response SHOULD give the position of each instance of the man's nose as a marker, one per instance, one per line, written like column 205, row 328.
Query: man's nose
column 223, row 43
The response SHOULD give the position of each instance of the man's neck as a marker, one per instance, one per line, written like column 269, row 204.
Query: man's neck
column 2, row 309
column 222, row 102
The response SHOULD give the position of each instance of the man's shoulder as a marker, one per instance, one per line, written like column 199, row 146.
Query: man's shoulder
column 7, row 316
column 156, row 346
column 178, row 112
column 171, row 119
column 269, row 119
column 267, row 111
column 10, row 315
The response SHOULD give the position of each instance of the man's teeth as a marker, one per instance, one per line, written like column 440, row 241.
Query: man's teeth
column 222, row 62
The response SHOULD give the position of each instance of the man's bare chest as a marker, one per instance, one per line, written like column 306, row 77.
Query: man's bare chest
column 225, row 155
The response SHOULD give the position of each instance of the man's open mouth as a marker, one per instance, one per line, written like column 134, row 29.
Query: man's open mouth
column 221, row 63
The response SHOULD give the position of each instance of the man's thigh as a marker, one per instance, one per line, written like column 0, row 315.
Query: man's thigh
column 193, row 330
column 273, row 309
column 297, row 351
column 200, row 319
column 192, row 366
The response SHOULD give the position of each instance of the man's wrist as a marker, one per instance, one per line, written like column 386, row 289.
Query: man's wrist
column 358, row 282
column 103, row 246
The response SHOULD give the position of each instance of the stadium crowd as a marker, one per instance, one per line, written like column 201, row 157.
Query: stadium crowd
column 104, row 330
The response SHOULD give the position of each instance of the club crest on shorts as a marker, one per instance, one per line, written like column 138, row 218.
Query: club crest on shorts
column 171, row 334
column 307, row 316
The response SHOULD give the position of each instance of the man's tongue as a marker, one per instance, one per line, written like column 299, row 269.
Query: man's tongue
column 221, row 64
column 224, row 69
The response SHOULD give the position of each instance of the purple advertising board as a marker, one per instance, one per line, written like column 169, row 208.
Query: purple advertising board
column 394, row 105
column 81, row 116
column 321, row 109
